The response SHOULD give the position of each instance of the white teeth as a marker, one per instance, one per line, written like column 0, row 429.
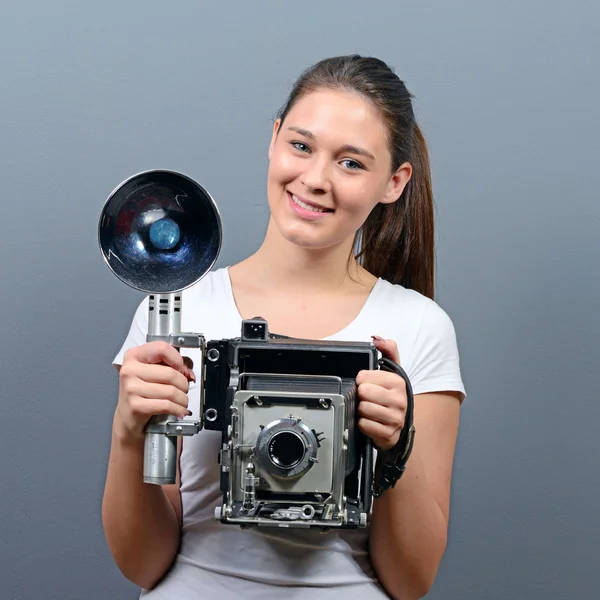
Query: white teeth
column 306, row 206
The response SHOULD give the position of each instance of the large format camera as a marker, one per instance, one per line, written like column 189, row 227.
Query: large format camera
column 292, row 454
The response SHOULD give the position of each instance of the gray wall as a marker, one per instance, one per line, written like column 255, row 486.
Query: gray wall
column 507, row 93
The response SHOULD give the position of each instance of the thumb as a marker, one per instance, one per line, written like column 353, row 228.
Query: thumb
column 388, row 348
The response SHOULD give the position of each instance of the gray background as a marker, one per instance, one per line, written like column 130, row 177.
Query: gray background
column 507, row 94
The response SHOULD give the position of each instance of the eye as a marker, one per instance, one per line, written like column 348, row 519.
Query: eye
column 352, row 164
column 300, row 146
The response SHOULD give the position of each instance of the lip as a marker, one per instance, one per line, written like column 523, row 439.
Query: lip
column 309, row 202
column 305, row 213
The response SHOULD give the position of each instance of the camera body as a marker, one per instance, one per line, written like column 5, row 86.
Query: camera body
column 292, row 454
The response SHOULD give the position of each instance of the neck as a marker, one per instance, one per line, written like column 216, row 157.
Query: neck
column 279, row 262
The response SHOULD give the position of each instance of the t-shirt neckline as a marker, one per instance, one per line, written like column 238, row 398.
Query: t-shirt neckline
column 358, row 317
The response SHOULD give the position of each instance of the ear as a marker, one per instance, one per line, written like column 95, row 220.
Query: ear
column 397, row 183
column 276, row 126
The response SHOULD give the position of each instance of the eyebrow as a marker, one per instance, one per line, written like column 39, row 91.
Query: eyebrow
column 346, row 148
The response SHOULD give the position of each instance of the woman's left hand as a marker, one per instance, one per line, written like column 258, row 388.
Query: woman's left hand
column 382, row 400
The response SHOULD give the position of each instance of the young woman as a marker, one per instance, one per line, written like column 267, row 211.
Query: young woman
column 347, row 159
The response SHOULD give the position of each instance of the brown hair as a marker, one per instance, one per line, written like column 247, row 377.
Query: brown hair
column 397, row 239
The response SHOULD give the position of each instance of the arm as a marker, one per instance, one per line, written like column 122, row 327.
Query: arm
column 142, row 522
column 410, row 521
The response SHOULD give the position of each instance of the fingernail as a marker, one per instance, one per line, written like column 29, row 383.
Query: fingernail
column 377, row 338
column 188, row 413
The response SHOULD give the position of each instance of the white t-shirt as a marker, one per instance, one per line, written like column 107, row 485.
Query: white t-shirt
column 226, row 562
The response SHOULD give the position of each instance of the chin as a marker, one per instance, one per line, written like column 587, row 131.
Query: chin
column 295, row 235
column 307, row 242
column 307, row 237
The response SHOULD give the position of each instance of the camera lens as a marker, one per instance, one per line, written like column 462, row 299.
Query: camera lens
column 286, row 449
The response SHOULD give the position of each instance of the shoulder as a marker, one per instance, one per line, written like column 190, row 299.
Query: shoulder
column 425, row 334
column 398, row 302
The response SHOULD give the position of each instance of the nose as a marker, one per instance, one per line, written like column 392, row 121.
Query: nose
column 316, row 177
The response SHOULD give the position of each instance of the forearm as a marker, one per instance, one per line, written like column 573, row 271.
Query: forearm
column 408, row 534
column 140, row 524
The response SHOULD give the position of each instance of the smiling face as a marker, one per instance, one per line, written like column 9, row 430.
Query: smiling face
column 330, row 165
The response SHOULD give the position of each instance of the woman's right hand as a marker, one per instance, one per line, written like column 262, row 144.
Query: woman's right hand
column 153, row 379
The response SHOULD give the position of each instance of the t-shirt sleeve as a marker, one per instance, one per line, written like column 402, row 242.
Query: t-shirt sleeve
column 436, row 362
column 137, row 331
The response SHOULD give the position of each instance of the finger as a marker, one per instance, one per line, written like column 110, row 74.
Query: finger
column 385, row 437
column 158, row 391
column 162, row 374
column 157, row 406
column 388, row 348
column 378, row 395
column 158, row 352
column 386, row 379
column 381, row 414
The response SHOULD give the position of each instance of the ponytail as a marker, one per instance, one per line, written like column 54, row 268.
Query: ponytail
column 398, row 238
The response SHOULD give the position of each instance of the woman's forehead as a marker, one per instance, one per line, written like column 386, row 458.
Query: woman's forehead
column 338, row 115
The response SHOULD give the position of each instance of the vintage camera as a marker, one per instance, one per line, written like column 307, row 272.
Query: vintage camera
column 287, row 410
column 292, row 454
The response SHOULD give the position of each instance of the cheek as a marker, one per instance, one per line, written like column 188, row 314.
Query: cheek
column 359, row 197
column 283, row 167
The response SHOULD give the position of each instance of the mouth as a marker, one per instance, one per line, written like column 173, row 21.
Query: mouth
column 308, row 205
